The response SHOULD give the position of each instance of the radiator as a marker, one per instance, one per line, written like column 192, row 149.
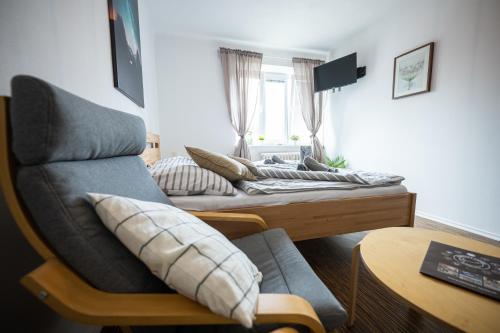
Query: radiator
column 289, row 155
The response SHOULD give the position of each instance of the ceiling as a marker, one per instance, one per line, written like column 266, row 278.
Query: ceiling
column 294, row 24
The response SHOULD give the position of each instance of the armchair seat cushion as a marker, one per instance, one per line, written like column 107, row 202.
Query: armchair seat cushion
column 285, row 271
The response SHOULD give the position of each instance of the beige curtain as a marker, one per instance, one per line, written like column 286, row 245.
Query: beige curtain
column 241, row 71
column 311, row 104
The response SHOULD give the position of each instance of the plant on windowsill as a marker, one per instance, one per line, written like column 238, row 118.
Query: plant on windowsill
column 294, row 138
column 337, row 162
column 261, row 139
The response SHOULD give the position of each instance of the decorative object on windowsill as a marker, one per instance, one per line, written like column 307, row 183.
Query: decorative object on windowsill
column 337, row 162
column 261, row 139
column 294, row 138
column 412, row 72
column 126, row 49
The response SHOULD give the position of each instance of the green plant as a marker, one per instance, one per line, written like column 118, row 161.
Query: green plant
column 337, row 162
column 261, row 138
column 295, row 138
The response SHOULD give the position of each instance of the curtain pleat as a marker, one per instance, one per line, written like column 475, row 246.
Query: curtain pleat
column 242, row 73
column 311, row 104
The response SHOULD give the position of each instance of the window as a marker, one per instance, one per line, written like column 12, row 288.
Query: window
column 276, row 119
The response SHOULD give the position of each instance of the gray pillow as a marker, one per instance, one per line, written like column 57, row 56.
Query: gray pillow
column 304, row 152
column 314, row 165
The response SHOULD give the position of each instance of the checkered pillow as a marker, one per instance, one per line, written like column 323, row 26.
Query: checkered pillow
column 186, row 253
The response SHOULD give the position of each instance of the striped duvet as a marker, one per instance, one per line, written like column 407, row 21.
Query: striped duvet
column 343, row 175
column 285, row 179
column 182, row 176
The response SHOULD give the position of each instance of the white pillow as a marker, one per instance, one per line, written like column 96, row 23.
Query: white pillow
column 182, row 176
column 186, row 253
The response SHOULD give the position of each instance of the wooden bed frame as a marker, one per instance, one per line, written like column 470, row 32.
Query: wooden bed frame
column 152, row 152
column 309, row 220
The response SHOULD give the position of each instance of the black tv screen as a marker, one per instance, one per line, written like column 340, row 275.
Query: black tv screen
column 336, row 73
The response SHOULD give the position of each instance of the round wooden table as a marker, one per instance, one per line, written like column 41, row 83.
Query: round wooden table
column 393, row 256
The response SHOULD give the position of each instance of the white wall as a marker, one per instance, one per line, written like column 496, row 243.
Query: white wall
column 67, row 43
column 191, row 93
column 446, row 142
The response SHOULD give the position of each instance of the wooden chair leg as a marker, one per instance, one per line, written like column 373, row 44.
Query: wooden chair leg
column 354, row 285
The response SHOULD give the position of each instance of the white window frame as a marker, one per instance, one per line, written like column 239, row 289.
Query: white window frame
column 279, row 77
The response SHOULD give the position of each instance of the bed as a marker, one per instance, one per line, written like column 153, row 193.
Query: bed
column 312, row 214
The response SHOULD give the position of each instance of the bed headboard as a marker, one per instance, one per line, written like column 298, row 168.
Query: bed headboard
column 152, row 152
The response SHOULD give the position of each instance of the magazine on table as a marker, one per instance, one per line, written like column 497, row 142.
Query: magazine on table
column 467, row 269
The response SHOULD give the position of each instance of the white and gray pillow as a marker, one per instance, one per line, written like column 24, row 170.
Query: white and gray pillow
column 182, row 176
column 186, row 253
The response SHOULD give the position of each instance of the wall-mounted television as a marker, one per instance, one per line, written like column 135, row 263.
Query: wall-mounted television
column 337, row 73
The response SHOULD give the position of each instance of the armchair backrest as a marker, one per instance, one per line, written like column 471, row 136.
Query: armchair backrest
column 64, row 147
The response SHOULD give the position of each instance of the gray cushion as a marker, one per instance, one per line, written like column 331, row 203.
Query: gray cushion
column 44, row 131
column 287, row 272
column 314, row 165
column 49, row 124
column 56, row 196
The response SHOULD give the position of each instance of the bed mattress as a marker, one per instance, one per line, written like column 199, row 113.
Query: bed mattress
column 241, row 199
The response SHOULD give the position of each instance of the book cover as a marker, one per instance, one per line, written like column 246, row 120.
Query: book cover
column 467, row 269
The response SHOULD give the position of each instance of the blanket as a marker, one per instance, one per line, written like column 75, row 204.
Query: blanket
column 284, row 178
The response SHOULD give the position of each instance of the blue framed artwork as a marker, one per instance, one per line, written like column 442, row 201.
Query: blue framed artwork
column 126, row 48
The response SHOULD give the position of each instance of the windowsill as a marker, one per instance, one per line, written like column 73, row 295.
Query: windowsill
column 273, row 146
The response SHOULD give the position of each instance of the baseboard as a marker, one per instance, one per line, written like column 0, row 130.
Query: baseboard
column 457, row 225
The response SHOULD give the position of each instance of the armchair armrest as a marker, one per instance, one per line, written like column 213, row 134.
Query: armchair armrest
column 71, row 297
column 285, row 330
column 233, row 225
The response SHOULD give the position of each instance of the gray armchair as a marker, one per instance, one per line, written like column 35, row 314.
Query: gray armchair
column 54, row 148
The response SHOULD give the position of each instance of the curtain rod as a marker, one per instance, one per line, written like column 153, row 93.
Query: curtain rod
column 274, row 57
column 282, row 58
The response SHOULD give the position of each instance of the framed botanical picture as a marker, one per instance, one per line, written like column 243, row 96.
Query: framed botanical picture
column 126, row 48
column 412, row 72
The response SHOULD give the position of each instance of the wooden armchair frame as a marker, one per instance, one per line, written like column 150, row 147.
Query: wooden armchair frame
column 70, row 296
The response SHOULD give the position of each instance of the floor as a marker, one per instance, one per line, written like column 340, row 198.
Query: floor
column 377, row 310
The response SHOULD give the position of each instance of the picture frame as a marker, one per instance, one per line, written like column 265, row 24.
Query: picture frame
column 412, row 73
column 126, row 49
